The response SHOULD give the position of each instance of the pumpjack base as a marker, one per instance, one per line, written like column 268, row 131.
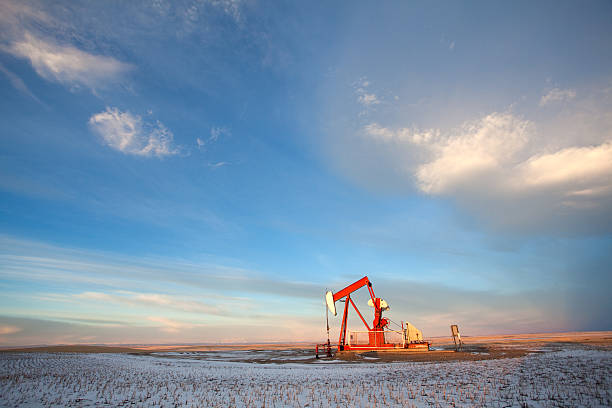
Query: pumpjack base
column 407, row 348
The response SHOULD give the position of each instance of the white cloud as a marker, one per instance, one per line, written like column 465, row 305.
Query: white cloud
column 218, row 164
column 13, row 14
column 557, row 95
column 368, row 99
column 482, row 146
column 496, row 150
column 493, row 155
column 68, row 65
column 414, row 136
column 582, row 167
column 128, row 133
column 365, row 98
column 501, row 167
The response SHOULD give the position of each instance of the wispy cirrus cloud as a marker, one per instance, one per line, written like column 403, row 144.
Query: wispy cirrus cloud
column 18, row 83
column 117, row 298
column 159, row 300
column 110, row 295
column 129, row 134
column 67, row 64
column 170, row 325
column 35, row 261
column 215, row 133
column 217, row 164
column 31, row 32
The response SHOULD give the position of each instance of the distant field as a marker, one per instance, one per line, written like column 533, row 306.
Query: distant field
column 601, row 338
column 548, row 370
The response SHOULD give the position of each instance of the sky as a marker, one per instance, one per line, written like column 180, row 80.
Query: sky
column 203, row 171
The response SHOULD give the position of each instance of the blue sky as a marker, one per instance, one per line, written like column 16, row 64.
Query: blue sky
column 201, row 171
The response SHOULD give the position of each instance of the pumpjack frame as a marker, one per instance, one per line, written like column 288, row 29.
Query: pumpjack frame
column 376, row 333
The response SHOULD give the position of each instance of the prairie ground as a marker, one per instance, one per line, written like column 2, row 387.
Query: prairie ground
column 501, row 373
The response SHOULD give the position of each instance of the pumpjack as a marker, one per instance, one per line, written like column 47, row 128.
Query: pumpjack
column 376, row 338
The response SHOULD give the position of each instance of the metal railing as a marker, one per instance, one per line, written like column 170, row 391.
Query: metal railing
column 324, row 349
column 362, row 338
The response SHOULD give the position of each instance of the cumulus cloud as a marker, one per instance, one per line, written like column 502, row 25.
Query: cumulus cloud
column 501, row 167
column 492, row 157
column 67, row 64
column 483, row 146
column 129, row 134
column 557, row 95
column 587, row 168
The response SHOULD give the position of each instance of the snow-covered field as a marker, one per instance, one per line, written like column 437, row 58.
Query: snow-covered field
column 572, row 377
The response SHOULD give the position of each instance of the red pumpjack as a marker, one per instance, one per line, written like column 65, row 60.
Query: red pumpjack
column 377, row 335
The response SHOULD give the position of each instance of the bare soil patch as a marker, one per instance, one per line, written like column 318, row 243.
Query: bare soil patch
column 467, row 354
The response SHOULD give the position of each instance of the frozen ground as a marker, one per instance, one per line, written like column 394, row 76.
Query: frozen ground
column 256, row 356
column 573, row 376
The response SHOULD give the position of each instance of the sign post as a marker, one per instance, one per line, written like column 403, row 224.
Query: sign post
column 456, row 337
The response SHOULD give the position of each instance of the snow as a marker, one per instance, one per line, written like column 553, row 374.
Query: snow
column 570, row 377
